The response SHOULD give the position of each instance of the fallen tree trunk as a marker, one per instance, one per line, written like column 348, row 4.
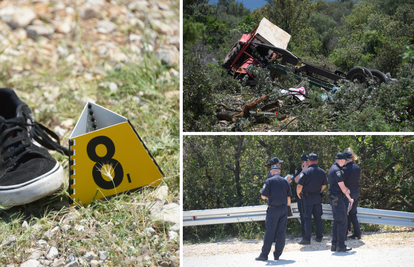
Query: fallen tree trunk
column 229, row 114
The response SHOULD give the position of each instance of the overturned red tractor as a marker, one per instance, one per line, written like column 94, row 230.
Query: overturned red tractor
column 266, row 47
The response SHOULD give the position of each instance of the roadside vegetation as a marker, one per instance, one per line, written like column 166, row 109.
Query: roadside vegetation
column 334, row 35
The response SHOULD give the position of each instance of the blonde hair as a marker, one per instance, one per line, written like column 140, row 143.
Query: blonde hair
column 354, row 157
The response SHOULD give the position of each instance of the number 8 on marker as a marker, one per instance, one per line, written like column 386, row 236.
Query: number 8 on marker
column 105, row 160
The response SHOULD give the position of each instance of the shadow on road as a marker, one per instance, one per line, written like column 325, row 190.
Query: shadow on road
column 279, row 262
column 343, row 254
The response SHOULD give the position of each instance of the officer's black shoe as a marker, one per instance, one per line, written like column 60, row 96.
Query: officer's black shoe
column 333, row 247
column 343, row 249
column 318, row 239
column 304, row 242
column 354, row 236
column 260, row 258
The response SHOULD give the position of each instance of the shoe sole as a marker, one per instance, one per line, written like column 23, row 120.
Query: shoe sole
column 33, row 190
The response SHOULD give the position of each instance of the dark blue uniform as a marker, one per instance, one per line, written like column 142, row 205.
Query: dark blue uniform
column 277, row 190
column 299, row 202
column 339, row 229
column 312, row 180
column 353, row 173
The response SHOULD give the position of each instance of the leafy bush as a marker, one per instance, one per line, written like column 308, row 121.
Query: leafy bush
column 198, row 106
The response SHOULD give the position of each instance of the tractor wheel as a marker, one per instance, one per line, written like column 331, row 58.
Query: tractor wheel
column 231, row 56
column 379, row 77
column 361, row 74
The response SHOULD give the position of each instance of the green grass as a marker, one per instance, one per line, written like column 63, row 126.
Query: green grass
column 115, row 224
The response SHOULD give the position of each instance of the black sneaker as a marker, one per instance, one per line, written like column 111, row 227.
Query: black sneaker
column 27, row 171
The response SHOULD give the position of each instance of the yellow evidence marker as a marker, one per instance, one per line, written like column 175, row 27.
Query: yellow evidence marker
column 107, row 157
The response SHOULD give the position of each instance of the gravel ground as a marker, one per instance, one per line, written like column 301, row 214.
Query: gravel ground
column 400, row 238
column 374, row 257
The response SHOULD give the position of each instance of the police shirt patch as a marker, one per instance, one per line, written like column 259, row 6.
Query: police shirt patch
column 264, row 186
column 301, row 175
column 338, row 173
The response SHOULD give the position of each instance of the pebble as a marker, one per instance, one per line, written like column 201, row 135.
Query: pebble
column 9, row 240
column 105, row 27
column 30, row 263
column 88, row 12
column 19, row 17
column 173, row 235
column 103, row 255
column 89, row 256
column 52, row 253
column 149, row 231
column 35, row 31
column 161, row 193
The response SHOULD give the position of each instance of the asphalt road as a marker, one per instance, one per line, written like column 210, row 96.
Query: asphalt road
column 358, row 257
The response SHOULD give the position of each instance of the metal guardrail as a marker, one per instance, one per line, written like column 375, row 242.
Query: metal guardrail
column 258, row 213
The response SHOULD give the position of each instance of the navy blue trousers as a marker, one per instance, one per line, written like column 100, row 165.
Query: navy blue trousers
column 339, row 226
column 312, row 206
column 302, row 222
column 276, row 221
column 353, row 212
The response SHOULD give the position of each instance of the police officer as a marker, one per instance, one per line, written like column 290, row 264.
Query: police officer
column 312, row 182
column 352, row 173
column 336, row 195
column 273, row 161
column 305, row 165
column 277, row 191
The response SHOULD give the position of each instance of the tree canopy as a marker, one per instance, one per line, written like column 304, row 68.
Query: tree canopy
column 335, row 35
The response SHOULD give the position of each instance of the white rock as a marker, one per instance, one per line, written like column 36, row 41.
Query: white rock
column 163, row 6
column 103, row 255
column 34, row 31
column 80, row 228
column 30, row 263
column 42, row 243
column 168, row 56
column 21, row 18
column 66, row 26
column 155, row 207
column 170, row 214
column 104, row 26
column 161, row 193
column 66, row 227
column 94, row 263
column 59, row 131
column 173, row 235
column 113, row 87
column 49, row 233
column 9, row 240
column 162, row 27
column 138, row 5
column 35, row 255
column 149, row 231
column 67, row 124
column 175, row 227
column 58, row 263
column 89, row 256
column 25, row 225
column 135, row 38
column 96, row 2
column 52, row 253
